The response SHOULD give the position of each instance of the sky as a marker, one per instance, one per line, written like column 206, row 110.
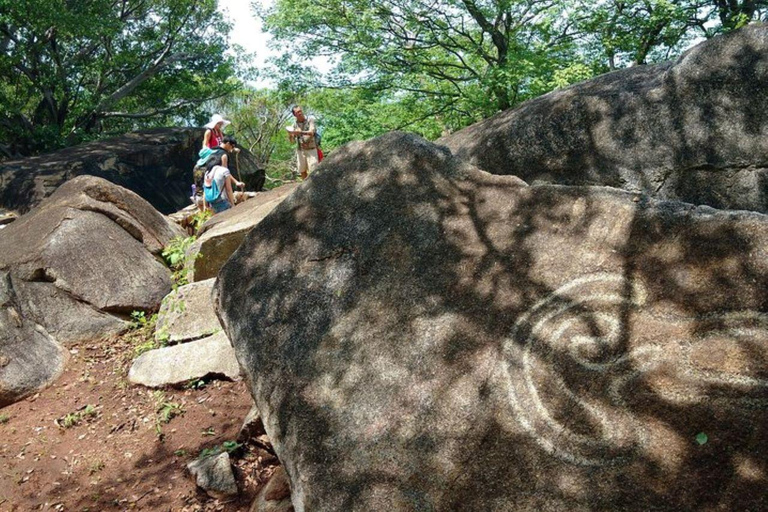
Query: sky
column 247, row 33
column 247, row 29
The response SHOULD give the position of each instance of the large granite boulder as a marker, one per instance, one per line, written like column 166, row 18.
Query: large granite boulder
column 222, row 234
column 156, row 164
column 421, row 335
column 71, row 270
column 695, row 129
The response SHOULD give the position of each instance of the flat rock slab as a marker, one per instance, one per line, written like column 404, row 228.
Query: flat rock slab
column 695, row 129
column 220, row 236
column 180, row 363
column 187, row 313
column 440, row 338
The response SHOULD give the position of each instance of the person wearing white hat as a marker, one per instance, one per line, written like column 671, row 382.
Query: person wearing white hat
column 213, row 134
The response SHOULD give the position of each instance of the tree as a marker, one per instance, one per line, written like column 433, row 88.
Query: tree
column 634, row 32
column 258, row 119
column 70, row 69
column 465, row 59
column 462, row 60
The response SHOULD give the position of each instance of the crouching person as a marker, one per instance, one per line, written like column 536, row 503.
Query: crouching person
column 217, row 186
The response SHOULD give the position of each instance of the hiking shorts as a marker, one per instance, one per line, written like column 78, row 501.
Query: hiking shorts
column 220, row 205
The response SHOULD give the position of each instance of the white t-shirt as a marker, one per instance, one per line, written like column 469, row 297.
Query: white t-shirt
column 220, row 175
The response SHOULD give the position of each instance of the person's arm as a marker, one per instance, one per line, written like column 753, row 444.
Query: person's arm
column 236, row 183
column 228, row 188
column 206, row 138
column 224, row 160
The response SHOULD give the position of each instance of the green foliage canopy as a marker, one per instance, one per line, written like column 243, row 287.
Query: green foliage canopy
column 462, row 60
column 72, row 69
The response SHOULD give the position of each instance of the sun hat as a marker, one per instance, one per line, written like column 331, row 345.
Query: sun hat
column 216, row 119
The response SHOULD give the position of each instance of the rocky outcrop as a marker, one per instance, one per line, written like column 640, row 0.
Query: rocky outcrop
column 72, row 270
column 222, row 234
column 421, row 335
column 156, row 164
column 693, row 129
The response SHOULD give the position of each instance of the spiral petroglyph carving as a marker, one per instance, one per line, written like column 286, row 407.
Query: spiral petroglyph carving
column 570, row 360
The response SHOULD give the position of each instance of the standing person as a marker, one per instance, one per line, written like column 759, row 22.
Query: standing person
column 217, row 186
column 228, row 145
column 213, row 132
column 303, row 133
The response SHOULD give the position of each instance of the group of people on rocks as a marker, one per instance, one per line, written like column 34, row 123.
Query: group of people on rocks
column 214, row 184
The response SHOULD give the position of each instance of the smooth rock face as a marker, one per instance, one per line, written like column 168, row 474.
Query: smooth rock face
column 695, row 129
column 29, row 357
column 222, row 234
column 156, row 164
column 187, row 314
column 73, row 269
column 421, row 335
column 180, row 363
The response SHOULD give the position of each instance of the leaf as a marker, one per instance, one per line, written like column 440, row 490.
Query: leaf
column 701, row 438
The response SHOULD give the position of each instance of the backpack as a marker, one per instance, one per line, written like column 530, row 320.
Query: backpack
column 211, row 190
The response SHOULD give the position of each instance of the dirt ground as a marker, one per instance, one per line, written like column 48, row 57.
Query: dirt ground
column 94, row 442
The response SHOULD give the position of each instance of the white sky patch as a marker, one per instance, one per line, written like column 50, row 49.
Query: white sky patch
column 247, row 31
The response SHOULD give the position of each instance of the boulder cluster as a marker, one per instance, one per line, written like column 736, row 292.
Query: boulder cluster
column 564, row 307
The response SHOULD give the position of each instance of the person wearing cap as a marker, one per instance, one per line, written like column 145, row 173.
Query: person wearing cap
column 303, row 133
column 213, row 135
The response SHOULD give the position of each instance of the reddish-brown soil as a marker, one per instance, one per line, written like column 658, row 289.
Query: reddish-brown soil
column 121, row 455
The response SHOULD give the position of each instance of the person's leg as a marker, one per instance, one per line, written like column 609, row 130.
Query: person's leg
column 311, row 157
column 302, row 163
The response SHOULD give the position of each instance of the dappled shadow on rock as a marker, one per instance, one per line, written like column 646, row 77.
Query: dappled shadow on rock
column 691, row 130
column 422, row 335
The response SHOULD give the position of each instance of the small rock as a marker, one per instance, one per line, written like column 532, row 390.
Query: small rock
column 214, row 475
column 276, row 495
column 252, row 426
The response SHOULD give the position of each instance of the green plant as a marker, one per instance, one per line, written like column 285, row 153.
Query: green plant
column 4, row 418
column 175, row 254
column 180, row 453
column 195, row 384
column 168, row 411
column 199, row 218
column 138, row 319
column 142, row 330
column 75, row 418
column 210, row 431
column 165, row 411
column 226, row 446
